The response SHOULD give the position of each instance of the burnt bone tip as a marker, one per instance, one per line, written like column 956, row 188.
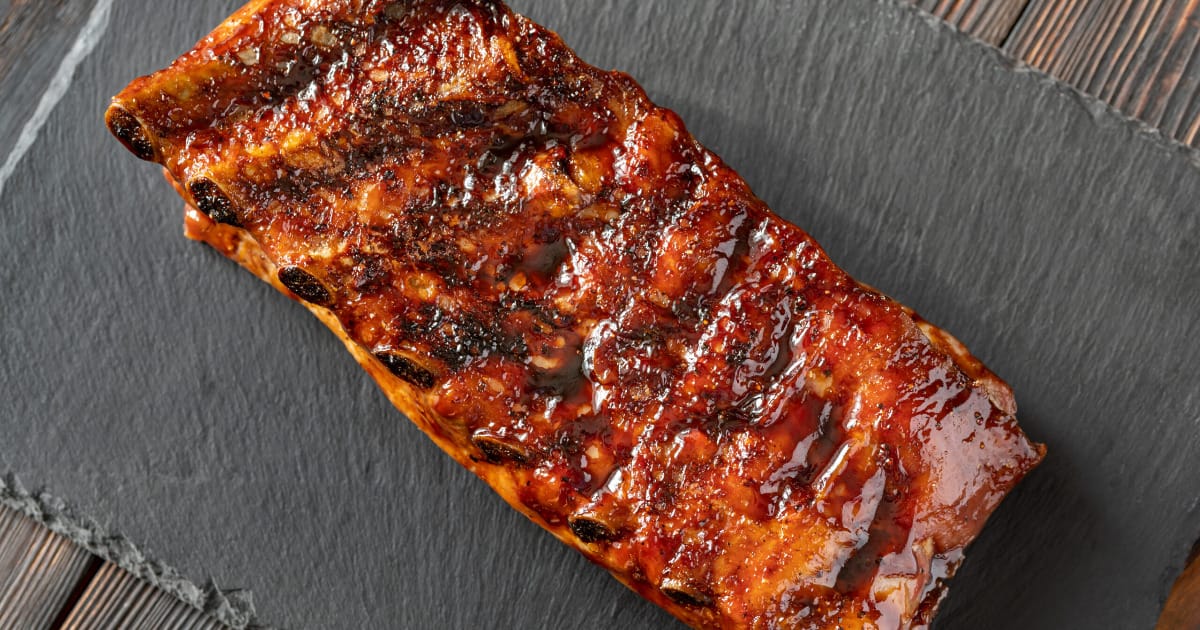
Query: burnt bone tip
column 685, row 594
column 406, row 369
column 214, row 202
column 590, row 530
column 498, row 451
column 131, row 132
column 305, row 286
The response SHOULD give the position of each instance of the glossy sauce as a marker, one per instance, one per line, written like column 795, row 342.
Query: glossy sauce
column 626, row 341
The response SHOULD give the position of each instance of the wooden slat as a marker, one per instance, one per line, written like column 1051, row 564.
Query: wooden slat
column 46, row 581
column 1142, row 56
column 989, row 20
column 116, row 599
column 39, row 571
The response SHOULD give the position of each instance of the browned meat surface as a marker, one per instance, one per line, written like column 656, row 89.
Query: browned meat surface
column 587, row 308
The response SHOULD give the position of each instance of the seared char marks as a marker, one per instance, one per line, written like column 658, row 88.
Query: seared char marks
column 588, row 308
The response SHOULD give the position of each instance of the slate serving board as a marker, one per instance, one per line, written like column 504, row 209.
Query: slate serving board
column 181, row 402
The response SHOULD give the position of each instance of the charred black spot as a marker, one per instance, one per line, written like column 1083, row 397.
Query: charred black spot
column 489, row 165
column 505, row 144
column 728, row 420
column 542, row 262
column 457, row 338
column 305, row 286
column 214, row 202
column 689, row 309
column 592, row 140
column 406, row 369
column 298, row 71
column 497, row 451
column 565, row 380
column 407, row 236
column 547, row 233
column 129, row 131
column 573, row 435
column 370, row 273
column 591, row 530
column 446, row 261
column 468, row 115
column 784, row 354
column 512, row 302
column 567, row 443
column 686, row 594
column 737, row 353
column 441, row 192
column 514, row 85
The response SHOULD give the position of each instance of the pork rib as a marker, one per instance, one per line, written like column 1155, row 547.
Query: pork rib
column 588, row 309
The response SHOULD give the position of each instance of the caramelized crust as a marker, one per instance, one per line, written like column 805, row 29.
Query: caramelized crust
column 587, row 308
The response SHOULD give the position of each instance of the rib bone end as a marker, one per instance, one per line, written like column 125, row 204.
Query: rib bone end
column 131, row 132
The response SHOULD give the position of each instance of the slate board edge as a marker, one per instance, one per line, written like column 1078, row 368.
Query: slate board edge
column 232, row 608
column 1101, row 112
column 238, row 611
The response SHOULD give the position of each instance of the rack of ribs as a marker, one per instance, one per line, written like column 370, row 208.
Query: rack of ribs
column 586, row 308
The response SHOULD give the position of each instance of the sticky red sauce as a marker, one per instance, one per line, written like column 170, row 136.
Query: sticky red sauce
column 624, row 332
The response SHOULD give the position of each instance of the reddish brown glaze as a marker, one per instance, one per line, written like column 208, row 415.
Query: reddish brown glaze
column 587, row 308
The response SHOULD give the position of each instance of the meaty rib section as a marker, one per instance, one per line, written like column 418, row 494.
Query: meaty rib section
column 587, row 308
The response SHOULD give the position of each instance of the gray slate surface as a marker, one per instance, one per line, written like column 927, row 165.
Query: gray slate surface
column 183, row 403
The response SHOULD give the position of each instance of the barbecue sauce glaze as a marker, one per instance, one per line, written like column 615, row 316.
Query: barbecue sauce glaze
column 587, row 308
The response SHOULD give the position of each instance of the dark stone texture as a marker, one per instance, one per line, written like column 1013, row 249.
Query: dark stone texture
column 184, row 404
column 234, row 607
